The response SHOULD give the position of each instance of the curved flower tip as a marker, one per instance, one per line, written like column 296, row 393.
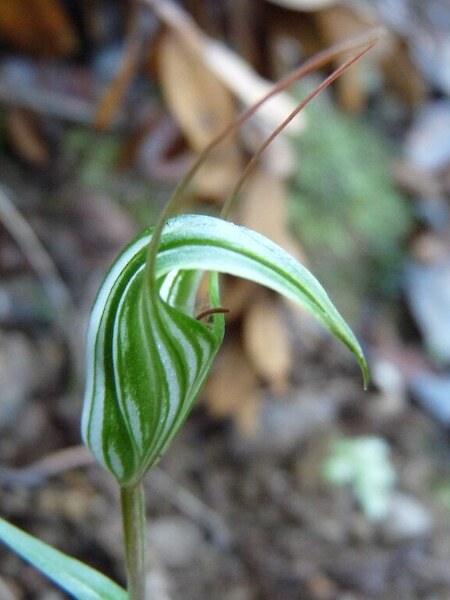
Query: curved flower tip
column 147, row 354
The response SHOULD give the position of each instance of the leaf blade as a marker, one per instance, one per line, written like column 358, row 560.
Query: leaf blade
column 76, row 578
column 214, row 244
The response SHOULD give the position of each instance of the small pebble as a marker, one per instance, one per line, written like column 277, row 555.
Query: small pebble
column 176, row 541
column 407, row 519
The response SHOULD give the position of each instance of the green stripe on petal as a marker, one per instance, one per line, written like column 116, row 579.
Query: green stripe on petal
column 148, row 357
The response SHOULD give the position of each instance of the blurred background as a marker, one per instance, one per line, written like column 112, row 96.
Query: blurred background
column 289, row 482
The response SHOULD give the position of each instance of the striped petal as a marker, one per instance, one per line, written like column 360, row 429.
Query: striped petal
column 148, row 356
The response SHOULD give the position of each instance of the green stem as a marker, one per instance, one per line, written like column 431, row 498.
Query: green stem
column 134, row 532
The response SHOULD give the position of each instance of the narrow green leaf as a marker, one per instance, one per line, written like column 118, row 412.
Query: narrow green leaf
column 76, row 578
column 148, row 356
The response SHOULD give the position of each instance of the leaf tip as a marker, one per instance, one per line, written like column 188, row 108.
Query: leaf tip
column 365, row 372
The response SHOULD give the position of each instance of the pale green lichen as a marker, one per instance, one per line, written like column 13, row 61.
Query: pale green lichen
column 364, row 464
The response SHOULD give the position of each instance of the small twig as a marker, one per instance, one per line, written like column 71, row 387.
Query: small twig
column 38, row 92
column 228, row 66
column 187, row 503
column 46, row 101
column 35, row 253
column 5, row 591
column 52, row 465
column 112, row 97
column 75, row 457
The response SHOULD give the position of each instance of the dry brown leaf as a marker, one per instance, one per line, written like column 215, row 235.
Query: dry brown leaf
column 26, row 138
column 199, row 101
column 417, row 182
column 154, row 148
column 217, row 176
column 278, row 159
column 336, row 24
column 266, row 341
column 113, row 95
column 232, row 391
column 236, row 295
column 228, row 66
column 264, row 209
column 203, row 107
column 292, row 37
column 244, row 27
column 401, row 74
column 250, row 87
column 37, row 26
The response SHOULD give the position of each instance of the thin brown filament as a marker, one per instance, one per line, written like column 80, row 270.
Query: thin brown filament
column 255, row 158
column 212, row 311
column 309, row 66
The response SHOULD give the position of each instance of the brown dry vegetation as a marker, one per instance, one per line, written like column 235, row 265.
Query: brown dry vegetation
column 103, row 105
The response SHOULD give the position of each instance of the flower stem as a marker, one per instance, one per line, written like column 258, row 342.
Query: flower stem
column 133, row 522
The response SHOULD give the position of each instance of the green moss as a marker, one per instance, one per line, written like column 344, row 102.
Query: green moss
column 95, row 154
column 344, row 207
column 94, row 158
column 364, row 464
